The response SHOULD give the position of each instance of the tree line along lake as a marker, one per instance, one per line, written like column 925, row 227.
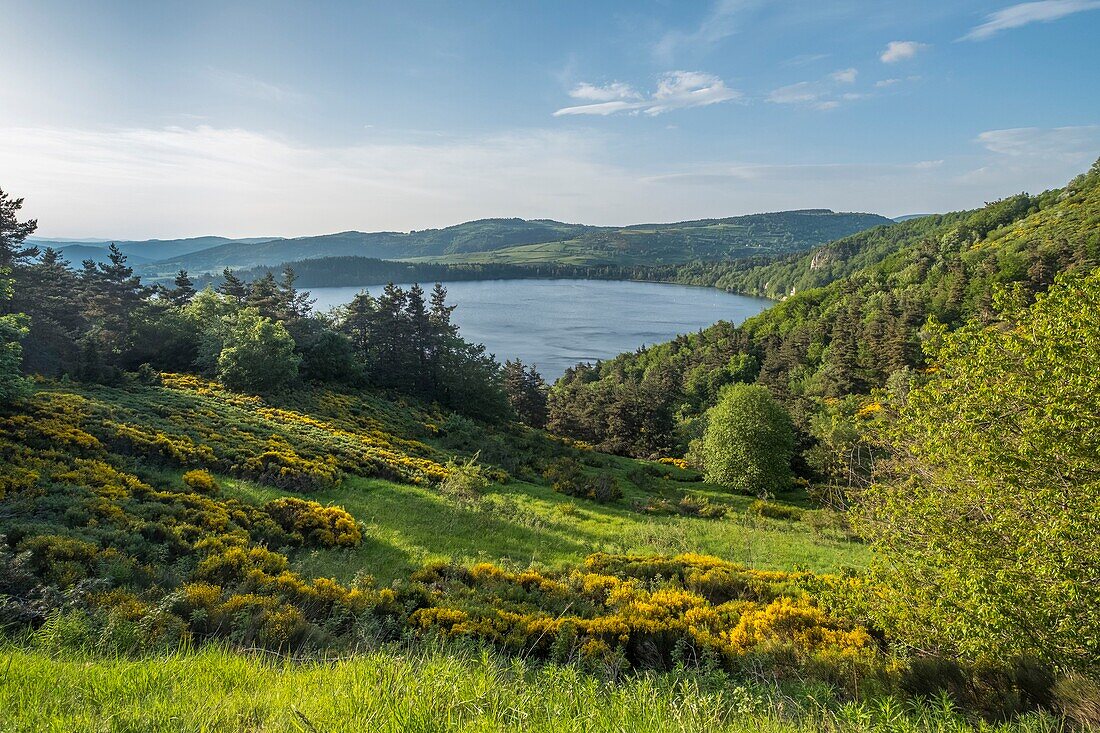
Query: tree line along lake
column 554, row 324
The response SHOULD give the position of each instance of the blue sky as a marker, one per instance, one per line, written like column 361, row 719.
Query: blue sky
column 135, row 119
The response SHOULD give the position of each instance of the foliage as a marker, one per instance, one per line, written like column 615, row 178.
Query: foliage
column 850, row 319
column 526, row 392
column 465, row 481
column 315, row 525
column 984, row 519
column 653, row 610
column 749, row 441
column 13, row 328
column 200, row 480
column 258, row 355
column 566, row 476
column 776, row 511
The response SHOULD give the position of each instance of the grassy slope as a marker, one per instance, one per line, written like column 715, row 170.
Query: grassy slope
column 522, row 523
column 408, row 524
column 214, row 690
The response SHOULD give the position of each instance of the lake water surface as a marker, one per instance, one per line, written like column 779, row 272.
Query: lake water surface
column 556, row 323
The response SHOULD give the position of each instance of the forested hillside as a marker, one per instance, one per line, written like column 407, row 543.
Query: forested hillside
column 854, row 318
column 520, row 242
column 706, row 239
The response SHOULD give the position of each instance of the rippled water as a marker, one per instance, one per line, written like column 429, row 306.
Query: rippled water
column 556, row 323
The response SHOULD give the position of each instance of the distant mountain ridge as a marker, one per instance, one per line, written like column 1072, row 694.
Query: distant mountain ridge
column 139, row 252
column 500, row 241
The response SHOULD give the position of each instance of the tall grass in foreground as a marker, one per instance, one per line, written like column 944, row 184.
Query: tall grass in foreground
column 215, row 689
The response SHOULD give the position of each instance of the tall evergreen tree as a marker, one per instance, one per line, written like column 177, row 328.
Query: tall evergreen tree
column 296, row 304
column 356, row 321
column 233, row 286
column 13, row 233
column 184, row 290
column 264, row 295
column 13, row 327
column 526, row 392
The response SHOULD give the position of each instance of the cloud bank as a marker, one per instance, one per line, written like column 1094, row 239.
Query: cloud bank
column 138, row 183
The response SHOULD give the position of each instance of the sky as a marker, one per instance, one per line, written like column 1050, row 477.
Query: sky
column 169, row 119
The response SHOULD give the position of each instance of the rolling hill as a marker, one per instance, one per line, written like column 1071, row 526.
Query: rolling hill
column 520, row 241
column 470, row 236
column 705, row 239
column 139, row 252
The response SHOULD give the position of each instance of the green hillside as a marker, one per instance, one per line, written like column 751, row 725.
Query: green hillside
column 472, row 236
column 518, row 241
column 852, row 315
column 707, row 239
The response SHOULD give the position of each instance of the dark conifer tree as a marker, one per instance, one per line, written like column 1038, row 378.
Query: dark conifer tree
column 264, row 296
column 232, row 286
column 296, row 304
column 13, row 233
column 526, row 392
column 356, row 322
column 183, row 292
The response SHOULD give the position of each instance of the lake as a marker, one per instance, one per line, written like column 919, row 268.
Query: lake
column 556, row 323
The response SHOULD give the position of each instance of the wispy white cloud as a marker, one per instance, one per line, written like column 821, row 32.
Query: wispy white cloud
column 801, row 93
column 721, row 22
column 896, row 51
column 883, row 83
column 178, row 181
column 605, row 93
column 1017, row 16
column 824, row 94
column 245, row 85
column 1063, row 142
column 844, row 76
column 675, row 90
column 183, row 181
column 805, row 59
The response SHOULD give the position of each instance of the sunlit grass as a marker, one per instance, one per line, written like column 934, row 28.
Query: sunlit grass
column 522, row 523
column 219, row 690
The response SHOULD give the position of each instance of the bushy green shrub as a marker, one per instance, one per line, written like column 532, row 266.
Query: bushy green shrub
column 566, row 476
column 465, row 481
column 315, row 525
column 201, row 481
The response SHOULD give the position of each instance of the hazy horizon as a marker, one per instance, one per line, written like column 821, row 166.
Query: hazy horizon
column 138, row 121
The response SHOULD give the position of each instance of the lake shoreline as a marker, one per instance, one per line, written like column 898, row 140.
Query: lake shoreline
column 556, row 323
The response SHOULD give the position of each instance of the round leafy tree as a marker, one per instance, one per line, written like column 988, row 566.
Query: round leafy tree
column 749, row 441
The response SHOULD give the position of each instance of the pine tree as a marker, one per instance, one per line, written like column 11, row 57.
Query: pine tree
column 526, row 392
column 183, row 292
column 232, row 286
column 441, row 312
column 50, row 295
column 112, row 294
column 264, row 296
column 13, row 233
column 296, row 304
column 392, row 355
column 355, row 322
column 423, row 346
column 13, row 328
